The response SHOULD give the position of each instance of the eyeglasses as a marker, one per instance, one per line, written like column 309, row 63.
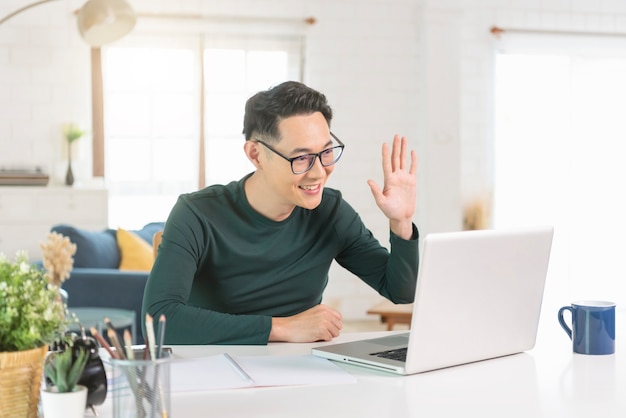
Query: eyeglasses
column 303, row 163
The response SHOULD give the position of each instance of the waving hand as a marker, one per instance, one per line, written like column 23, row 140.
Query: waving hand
column 397, row 199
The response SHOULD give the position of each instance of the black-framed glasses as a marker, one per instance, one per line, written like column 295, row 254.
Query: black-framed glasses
column 303, row 163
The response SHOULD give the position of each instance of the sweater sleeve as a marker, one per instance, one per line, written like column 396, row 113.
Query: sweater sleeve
column 170, row 284
column 393, row 274
column 402, row 268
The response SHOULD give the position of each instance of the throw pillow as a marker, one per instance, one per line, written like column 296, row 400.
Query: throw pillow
column 148, row 231
column 136, row 254
column 97, row 249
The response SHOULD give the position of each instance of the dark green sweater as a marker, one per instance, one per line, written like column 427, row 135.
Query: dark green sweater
column 223, row 270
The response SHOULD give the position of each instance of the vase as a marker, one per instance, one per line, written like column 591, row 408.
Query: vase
column 69, row 176
column 20, row 382
column 64, row 405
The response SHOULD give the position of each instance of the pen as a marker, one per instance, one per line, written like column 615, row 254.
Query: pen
column 239, row 369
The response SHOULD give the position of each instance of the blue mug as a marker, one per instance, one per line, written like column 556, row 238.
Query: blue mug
column 593, row 326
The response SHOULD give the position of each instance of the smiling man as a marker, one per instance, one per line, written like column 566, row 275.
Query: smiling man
column 248, row 262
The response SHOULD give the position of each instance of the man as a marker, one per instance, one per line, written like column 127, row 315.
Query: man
column 247, row 263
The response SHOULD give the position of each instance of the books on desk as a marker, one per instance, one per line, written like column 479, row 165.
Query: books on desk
column 223, row 371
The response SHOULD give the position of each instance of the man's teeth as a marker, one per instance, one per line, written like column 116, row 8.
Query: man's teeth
column 308, row 187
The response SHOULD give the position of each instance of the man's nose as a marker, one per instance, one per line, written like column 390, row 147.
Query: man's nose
column 318, row 168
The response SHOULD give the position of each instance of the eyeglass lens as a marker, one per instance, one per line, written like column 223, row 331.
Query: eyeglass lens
column 305, row 162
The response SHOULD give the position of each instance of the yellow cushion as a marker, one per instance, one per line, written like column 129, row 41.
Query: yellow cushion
column 136, row 254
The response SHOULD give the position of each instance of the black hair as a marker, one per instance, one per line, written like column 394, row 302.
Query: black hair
column 266, row 109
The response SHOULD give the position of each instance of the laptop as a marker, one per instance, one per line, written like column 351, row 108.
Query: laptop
column 478, row 297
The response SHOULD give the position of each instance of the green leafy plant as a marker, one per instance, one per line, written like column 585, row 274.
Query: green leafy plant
column 64, row 368
column 72, row 132
column 31, row 314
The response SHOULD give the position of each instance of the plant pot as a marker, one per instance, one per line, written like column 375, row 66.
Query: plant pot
column 64, row 405
column 20, row 380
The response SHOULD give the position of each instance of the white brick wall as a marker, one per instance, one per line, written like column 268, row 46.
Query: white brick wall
column 368, row 56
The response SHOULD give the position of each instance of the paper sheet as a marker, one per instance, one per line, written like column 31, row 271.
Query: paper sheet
column 216, row 372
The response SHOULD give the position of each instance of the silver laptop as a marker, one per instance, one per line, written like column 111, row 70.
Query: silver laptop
column 478, row 297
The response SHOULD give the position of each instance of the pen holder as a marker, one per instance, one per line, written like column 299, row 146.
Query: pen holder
column 141, row 388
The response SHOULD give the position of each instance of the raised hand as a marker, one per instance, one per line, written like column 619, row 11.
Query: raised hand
column 397, row 199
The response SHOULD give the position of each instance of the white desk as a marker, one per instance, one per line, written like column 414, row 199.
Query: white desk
column 548, row 381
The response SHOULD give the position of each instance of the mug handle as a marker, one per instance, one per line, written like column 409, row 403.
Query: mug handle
column 562, row 321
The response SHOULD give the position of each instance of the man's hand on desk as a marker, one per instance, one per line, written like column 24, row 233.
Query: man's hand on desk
column 320, row 323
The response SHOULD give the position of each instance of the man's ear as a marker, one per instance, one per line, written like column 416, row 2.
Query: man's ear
column 251, row 148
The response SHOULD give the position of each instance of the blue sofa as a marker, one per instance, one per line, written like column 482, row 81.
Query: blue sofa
column 96, row 280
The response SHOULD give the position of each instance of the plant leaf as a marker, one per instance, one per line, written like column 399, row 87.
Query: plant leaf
column 73, row 375
column 64, row 361
column 50, row 369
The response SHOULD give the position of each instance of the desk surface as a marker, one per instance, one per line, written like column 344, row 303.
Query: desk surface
column 548, row 381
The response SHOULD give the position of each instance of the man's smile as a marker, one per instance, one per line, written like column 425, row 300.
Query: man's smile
column 310, row 187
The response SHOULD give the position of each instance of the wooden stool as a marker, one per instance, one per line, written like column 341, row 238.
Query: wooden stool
column 392, row 314
column 94, row 317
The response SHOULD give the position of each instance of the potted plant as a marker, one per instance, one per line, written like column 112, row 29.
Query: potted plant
column 57, row 254
column 31, row 318
column 72, row 132
column 64, row 397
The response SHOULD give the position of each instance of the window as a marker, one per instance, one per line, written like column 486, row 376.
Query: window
column 558, row 136
column 153, row 115
column 234, row 70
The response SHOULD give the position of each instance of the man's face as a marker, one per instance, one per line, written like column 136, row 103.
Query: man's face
column 302, row 134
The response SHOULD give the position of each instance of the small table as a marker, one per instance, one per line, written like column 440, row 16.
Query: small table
column 94, row 317
column 392, row 314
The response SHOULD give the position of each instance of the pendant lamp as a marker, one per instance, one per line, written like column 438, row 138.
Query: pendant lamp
column 99, row 21
column 103, row 21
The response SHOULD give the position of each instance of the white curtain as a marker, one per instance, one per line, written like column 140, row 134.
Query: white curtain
column 559, row 134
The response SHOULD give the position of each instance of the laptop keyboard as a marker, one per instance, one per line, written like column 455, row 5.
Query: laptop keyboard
column 398, row 354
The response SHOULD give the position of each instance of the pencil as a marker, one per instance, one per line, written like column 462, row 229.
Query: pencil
column 159, row 353
column 108, row 324
column 102, row 341
column 128, row 344
column 150, row 335
column 110, row 327
column 160, row 336
column 116, row 343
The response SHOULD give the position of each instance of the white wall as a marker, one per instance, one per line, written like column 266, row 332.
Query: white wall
column 416, row 67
